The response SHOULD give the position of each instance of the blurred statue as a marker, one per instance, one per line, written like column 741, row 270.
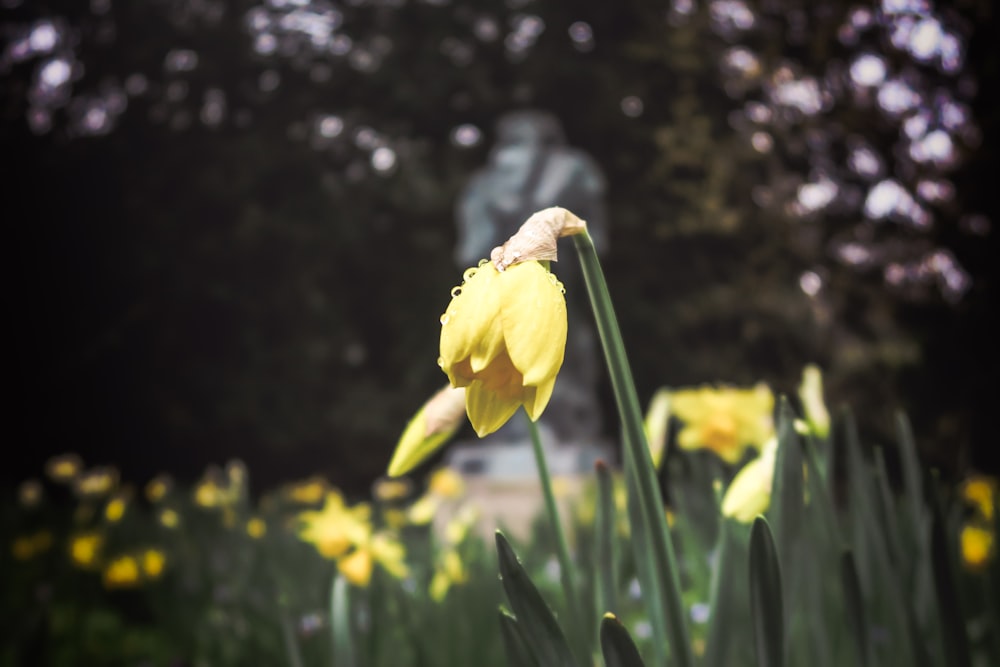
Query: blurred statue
column 531, row 168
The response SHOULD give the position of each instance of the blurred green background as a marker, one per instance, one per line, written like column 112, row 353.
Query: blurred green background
column 214, row 256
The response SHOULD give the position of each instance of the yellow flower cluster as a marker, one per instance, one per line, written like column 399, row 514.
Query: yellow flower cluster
column 345, row 534
column 979, row 493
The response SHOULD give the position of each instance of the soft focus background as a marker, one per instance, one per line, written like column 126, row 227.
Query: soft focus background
column 230, row 224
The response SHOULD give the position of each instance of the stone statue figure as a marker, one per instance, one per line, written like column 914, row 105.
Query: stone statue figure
column 531, row 168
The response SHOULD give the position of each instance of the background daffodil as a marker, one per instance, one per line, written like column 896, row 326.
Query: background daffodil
column 503, row 337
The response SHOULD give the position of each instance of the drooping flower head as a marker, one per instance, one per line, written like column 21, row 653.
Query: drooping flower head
column 503, row 337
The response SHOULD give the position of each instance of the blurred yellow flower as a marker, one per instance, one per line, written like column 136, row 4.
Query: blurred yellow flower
column 153, row 563
column 336, row 527
column 307, row 491
column 158, row 487
column 811, row 395
column 977, row 546
column 26, row 547
column 725, row 420
column 390, row 554
column 503, row 337
column 63, row 468
column 84, row 549
column 96, row 482
column 256, row 528
column 115, row 509
column 356, row 567
column 458, row 527
column 390, row 490
column 433, row 425
column 422, row 512
column 29, row 493
column 450, row 571
column 169, row 518
column 749, row 494
column 121, row 572
column 445, row 482
column 980, row 492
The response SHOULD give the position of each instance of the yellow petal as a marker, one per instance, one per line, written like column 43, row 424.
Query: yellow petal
column 534, row 321
column 749, row 494
column 536, row 398
column 470, row 312
column 488, row 410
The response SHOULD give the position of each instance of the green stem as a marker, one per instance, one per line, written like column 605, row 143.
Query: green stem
column 667, row 585
column 562, row 546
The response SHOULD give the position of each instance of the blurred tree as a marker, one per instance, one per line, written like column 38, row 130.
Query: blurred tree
column 234, row 220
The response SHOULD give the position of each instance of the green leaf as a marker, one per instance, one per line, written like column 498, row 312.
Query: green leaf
column 765, row 596
column 607, row 561
column 854, row 607
column 542, row 634
column 514, row 643
column 720, row 600
column 913, row 491
column 661, row 586
column 787, row 499
column 956, row 643
column 340, row 616
column 617, row 646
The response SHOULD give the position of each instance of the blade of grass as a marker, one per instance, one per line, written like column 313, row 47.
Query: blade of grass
column 720, row 599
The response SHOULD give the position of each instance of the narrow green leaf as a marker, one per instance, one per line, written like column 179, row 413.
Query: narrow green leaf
column 913, row 482
column 340, row 618
column 786, row 495
column 819, row 493
column 854, row 606
column 617, row 646
column 720, row 600
column 638, row 461
column 566, row 577
column 952, row 619
column 765, row 596
column 542, row 634
column 515, row 646
column 607, row 561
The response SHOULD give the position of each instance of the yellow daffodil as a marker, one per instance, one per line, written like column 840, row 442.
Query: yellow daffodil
column 422, row 512
column 30, row 493
column 391, row 490
column 27, row 547
column 450, row 571
column 115, row 509
column 980, row 492
column 811, row 395
column 84, row 549
column 433, row 425
column 503, row 337
column 63, row 468
column 256, row 528
column 357, row 567
column 726, row 420
column 169, row 518
column 749, row 494
column 307, row 491
column 158, row 487
column 336, row 527
column 121, row 572
column 446, row 483
column 96, row 482
column 977, row 545
column 153, row 563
